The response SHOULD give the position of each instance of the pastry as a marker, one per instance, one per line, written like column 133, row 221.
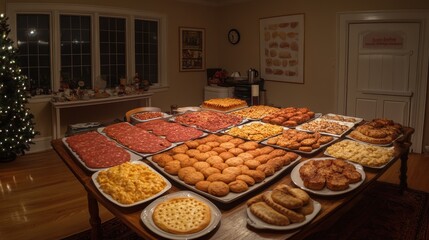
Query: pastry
column 286, row 200
column 218, row 189
column 182, row 215
column 224, row 104
column 290, row 214
column 268, row 215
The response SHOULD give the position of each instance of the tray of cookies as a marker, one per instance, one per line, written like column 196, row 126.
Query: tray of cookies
column 130, row 183
column 328, row 127
column 283, row 208
column 255, row 131
column 222, row 167
column 341, row 118
column 194, row 216
column 255, row 112
column 327, row 176
column 291, row 116
column 299, row 141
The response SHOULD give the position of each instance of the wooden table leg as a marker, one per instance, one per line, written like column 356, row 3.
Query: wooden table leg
column 94, row 218
column 403, row 174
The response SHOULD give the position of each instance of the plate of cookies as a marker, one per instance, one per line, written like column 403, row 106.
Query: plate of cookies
column 300, row 141
column 283, row 208
column 328, row 176
column 222, row 167
column 181, row 215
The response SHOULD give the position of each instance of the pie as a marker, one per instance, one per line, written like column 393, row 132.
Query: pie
column 182, row 215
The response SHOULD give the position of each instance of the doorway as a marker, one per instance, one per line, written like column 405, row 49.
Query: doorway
column 382, row 67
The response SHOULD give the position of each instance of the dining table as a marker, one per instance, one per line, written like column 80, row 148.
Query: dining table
column 233, row 223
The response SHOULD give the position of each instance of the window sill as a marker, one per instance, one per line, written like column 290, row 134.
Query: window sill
column 40, row 99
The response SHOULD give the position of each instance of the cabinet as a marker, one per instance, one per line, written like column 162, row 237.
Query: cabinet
column 244, row 91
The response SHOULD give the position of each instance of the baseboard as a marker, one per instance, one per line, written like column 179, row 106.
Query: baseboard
column 40, row 144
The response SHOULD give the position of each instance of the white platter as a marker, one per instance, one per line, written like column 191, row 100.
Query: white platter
column 181, row 110
column 367, row 166
column 231, row 195
column 97, row 185
column 348, row 125
column 255, row 222
column 328, row 115
column 146, row 216
column 133, row 157
column 296, row 179
column 164, row 115
column 100, row 130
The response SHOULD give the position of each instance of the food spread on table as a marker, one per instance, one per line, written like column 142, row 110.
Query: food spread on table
column 226, row 165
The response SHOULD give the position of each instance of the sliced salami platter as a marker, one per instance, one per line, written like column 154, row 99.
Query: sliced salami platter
column 209, row 121
column 148, row 116
column 95, row 151
column 173, row 132
column 136, row 139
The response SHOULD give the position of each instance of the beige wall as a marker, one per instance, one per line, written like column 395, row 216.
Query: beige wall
column 319, row 89
column 186, row 88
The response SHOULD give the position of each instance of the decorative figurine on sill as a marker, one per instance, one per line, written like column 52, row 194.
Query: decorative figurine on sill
column 145, row 84
column 137, row 82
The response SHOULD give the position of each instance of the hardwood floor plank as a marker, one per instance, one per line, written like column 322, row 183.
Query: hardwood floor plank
column 41, row 199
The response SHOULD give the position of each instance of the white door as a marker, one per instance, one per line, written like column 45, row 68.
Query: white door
column 382, row 71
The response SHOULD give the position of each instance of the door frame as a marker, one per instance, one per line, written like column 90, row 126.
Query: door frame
column 417, row 111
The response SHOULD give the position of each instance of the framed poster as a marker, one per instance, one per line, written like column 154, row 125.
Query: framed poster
column 282, row 48
column 191, row 47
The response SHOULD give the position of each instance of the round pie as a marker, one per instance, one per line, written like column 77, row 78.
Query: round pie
column 182, row 215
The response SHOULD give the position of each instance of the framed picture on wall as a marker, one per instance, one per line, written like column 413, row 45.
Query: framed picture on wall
column 282, row 48
column 192, row 49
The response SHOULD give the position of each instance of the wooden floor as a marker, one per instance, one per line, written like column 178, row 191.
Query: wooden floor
column 41, row 199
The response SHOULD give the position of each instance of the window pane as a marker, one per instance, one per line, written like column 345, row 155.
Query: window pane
column 112, row 49
column 75, row 43
column 146, row 46
column 34, row 48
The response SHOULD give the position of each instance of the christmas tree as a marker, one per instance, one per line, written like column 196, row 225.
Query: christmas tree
column 16, row 122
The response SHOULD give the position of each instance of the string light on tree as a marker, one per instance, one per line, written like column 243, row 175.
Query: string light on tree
column 16, row 123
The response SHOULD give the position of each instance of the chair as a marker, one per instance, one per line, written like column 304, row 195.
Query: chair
column 140, row 109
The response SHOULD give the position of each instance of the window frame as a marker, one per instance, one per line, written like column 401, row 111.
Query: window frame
column 55, row 10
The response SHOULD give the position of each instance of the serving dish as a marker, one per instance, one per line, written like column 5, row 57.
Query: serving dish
column 135, row 118
column 359, row 150
column 143, row 154
column 255, row 222
column 146, row 216
column 341, row 118
column 133, row 157
column 97, row 185
column 325, row 126
column 296, row 179
column 231, row 196
column 265, row 142
column 257, row 133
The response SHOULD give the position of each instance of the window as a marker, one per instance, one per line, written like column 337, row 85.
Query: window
column 76, row 50
column 34, row 49
column 112, row 50
column 146, row 49
column 60, row 43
